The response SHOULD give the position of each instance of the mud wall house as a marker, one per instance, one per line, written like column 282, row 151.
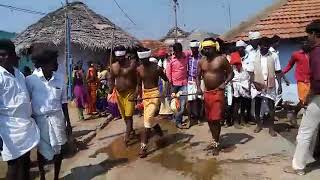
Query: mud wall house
column 92, row 35
column 169, row 38
column 287, row 19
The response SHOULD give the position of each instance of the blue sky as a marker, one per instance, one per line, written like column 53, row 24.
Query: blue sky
column 153, row 18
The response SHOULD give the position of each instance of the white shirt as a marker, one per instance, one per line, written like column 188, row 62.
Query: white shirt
column 248, row 60
column 18, row 130
column 46, row 96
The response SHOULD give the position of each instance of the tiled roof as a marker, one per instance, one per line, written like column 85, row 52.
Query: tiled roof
column 154, row 45
column 286, row 19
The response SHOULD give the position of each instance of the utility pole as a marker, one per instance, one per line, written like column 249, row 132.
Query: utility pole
column 112, row 45
column 175, row 4
column 229, row 13
column 68, row 51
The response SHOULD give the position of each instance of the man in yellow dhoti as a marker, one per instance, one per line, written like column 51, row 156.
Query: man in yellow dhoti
column 149, row 73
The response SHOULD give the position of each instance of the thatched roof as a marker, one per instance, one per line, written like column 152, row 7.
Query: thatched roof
column 197, row 35
column 171, row 34
column 88, row 30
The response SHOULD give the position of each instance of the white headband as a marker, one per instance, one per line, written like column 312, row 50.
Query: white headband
column 144, row 54
column 194, row 44
column 119, row 53
column 153, row 60
column 241, row 43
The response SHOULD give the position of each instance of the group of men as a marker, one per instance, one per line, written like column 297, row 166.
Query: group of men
column 33, row 113
column 252, row 70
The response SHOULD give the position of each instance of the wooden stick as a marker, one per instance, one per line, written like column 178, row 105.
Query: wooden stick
column 140, row 99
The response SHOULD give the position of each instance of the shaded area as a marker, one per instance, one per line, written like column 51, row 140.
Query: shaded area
column 91, row 171
column 230, row 140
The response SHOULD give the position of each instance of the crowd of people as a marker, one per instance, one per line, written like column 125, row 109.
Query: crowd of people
column 214, row 82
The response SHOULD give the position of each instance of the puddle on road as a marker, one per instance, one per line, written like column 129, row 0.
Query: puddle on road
column 198, row 169
column 169, row 157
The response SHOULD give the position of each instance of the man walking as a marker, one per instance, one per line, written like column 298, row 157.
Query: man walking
column 149, row 73
column 310, row 121
column 123, row 77
column 194, row 101
column 18, row 131
column 177, row 73
column 48, row 93
column 216, row 72
column 264, row 70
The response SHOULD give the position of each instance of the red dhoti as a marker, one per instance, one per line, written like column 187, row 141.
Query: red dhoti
column 214, row 102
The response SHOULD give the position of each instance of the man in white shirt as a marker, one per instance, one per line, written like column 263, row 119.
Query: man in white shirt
column 49, row 103
column 264, row 70
column 18, row 130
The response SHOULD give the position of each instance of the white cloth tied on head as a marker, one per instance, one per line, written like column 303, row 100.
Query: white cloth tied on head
column 119, row 53
column 241, row 43
column 153, row 60
column 194, row 44
column 254, row 35
column 144, row 54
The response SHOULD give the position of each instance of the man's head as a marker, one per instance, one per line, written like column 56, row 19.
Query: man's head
column 90, row 64
column 46, row 60
column 210, row 47
column 177, row 50
column 8, row 57
column 264, row 46
column 144, row 54
column 254, row 39
column 313, row 30
column 275, row 41
column 120, row 53
column 194, row 46
column 240, row 47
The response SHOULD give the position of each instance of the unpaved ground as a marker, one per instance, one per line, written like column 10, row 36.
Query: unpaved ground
column 245, row 155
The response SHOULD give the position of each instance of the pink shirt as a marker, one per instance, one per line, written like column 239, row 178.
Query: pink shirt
column 177, row 70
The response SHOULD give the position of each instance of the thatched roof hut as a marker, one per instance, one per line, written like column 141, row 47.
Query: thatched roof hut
column 92, row 35
column 169, row 38
column 89, row 30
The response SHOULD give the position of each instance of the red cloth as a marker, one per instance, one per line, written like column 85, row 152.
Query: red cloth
column 302, row 72
column 236, row 60
column 177, row 70
column 161, row 53
column 214, row 102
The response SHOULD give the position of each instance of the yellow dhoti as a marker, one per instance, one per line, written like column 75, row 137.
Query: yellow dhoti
column 151, row 106
column 126, row 107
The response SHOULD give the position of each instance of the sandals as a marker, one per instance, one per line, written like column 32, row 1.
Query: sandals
column 290, row 170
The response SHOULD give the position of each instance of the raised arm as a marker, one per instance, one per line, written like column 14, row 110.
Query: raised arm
column 290, row 65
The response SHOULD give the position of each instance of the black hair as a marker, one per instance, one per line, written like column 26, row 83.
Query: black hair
column 314, row 27
column 209, row 39
column 119, row 48
column 194, row 40
column 44, row 57
column 265, row 41
column 142, row 49
column 177, row 47
column 8, row 45
column 275, row 39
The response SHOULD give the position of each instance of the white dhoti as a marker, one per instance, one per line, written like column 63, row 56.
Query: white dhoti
column 192, row 89
column 306, row 138
column 52, row 133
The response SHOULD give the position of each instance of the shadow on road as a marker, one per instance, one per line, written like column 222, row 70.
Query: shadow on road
column 230, row 140
column 91, row 171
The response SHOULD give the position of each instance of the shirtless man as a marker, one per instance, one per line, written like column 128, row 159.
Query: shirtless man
column 216, row 73
column 149, row 74
column 123, row 78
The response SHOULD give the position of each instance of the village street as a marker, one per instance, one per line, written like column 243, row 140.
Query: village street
column 245, row 155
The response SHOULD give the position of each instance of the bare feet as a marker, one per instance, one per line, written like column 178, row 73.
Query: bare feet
column 143, row 151
column 272, row 132
column 258, row 129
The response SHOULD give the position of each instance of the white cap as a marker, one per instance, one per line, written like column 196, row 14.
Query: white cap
column 144, row 54
column 154, row 60
column 194, row 44
column 254, row 35
column 241, row 43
